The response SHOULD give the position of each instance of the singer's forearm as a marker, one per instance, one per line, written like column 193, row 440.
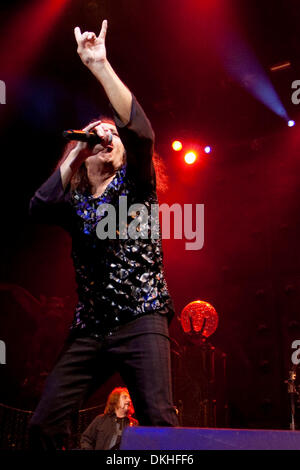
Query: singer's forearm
column 70, row 166
column 118, row 94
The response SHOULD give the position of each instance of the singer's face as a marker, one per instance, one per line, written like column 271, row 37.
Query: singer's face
column 116, row 155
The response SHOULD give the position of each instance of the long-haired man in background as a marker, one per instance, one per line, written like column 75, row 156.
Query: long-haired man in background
column 105, row 431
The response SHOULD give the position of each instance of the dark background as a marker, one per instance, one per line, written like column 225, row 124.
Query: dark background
column 166, row 53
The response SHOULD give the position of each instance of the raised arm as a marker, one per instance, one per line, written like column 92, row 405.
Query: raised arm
column 92, row 51
column 133, row 126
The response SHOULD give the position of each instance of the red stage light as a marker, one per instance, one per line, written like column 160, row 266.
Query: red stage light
column 190, row 158
column 177, row 145
column 199, row 319
column 25, row 35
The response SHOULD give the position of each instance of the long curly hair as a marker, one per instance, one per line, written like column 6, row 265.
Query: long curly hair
column 80, row 179
column 113, row 400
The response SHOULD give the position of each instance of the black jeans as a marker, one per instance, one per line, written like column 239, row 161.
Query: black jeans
column 139, row 351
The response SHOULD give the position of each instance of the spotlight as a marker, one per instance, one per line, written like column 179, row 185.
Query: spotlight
column 291, row 123
column 190, row 158
column 207, row 149
column 177, row 145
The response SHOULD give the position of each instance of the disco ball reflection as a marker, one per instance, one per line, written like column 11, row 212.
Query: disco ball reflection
column 199, row 319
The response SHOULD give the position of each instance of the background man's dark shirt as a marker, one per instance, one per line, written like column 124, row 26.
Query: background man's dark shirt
column 103, row 431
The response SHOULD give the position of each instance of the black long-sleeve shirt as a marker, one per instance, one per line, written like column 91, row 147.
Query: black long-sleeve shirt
column 105, row 432
column 118, row 279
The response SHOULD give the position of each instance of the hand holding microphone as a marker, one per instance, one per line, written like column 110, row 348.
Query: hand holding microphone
column 92, row 135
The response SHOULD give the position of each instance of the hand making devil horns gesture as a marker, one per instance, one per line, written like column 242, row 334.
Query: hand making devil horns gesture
column 91, row 48
column 92, row 51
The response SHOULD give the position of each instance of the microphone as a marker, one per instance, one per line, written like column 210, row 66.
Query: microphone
column 91, row 138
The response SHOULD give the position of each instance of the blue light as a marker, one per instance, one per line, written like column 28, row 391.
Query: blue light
column 207, row 149
column 243, row 67
column 291, row 123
